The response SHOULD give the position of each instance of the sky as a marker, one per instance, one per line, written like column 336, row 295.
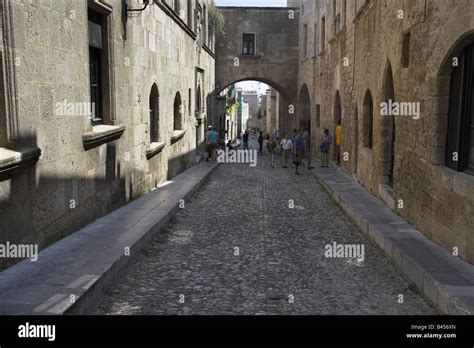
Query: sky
column 258, row 3
column 253, row 86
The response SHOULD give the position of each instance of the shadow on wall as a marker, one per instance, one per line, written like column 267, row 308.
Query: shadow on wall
column 41, row 209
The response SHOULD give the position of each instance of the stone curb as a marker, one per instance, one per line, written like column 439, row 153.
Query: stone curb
column 447, row 296
column 86, row 263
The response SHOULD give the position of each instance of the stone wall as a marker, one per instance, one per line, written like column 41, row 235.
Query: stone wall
column 70, row 185
column 370, row 53
column 275, row 61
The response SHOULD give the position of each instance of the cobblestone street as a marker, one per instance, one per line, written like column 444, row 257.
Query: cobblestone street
column 281, row 255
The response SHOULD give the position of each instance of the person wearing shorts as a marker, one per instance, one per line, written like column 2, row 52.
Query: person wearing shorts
column 213, row 142
column 299, row 151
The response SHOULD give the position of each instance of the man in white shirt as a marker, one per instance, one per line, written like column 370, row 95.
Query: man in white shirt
column 287, row 146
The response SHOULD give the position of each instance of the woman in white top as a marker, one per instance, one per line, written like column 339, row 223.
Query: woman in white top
column 287, row 146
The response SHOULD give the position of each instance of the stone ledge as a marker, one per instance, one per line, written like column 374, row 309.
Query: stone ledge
column 155, row 149
column 86, row 263
column 443, row 279
column 177, row 135
column 101, row 134
column 13, row 160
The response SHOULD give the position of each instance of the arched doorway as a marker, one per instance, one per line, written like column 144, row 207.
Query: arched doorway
column 355, row 140
column 337, row 118
column 286, row 107
column 388, row 131
column 368, row 121
column 304, row 109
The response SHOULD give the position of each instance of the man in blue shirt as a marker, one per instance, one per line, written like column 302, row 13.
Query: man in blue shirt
column 213, row 138
column 298, row 150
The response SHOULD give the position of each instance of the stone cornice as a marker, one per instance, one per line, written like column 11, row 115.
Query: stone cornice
column 13, row 160
column 101, row 134
column 155, row 149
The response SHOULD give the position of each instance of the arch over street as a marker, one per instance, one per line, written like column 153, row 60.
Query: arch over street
column 260, row 44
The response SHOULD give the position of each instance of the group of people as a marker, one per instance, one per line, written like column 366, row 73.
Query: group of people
column 297, row 146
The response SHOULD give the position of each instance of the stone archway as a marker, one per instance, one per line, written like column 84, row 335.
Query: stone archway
column 273, row 59
column 286, row 108
column 304, row 108
column 355, row 140
column 337, row 118
column 388, row 133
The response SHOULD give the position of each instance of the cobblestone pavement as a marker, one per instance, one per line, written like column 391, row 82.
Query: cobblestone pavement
column 281, row 266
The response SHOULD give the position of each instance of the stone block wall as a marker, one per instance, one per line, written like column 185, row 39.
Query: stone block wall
column 70, row 185
column 415, row 40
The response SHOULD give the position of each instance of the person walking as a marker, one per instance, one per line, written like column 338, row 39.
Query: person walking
column 222, row 139
column 325, row 143
column 208, row 146
column 271, row 147
column 213, row 142
column 307, row 148
column 338, row 142
column 286, row 146
column 298, row 150
column 260, row 143
column 245, row 138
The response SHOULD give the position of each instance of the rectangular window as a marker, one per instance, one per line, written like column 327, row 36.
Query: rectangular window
column 305, row 42
column 338, row 23
column 248, row 44
column 176, row 6
column 189, row 101
column 318, row 115
column 323, row 34
column 406, row 50
column 460, row 138
column 100, row 74
column 344, row 10
column 95, row 64
column 204, row 24
column 190, row 13
column 316, row 39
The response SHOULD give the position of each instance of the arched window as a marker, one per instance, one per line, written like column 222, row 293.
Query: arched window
column 460, row 137
column 388, row 129
column 337, row 109
column 154, row 105
column 178, row 112
column 368, row 120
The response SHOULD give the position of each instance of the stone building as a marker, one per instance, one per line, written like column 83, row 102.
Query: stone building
column 360, row 57
column 261, row 44
column 100, row 103
column 271, row 109
column 251, row 98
